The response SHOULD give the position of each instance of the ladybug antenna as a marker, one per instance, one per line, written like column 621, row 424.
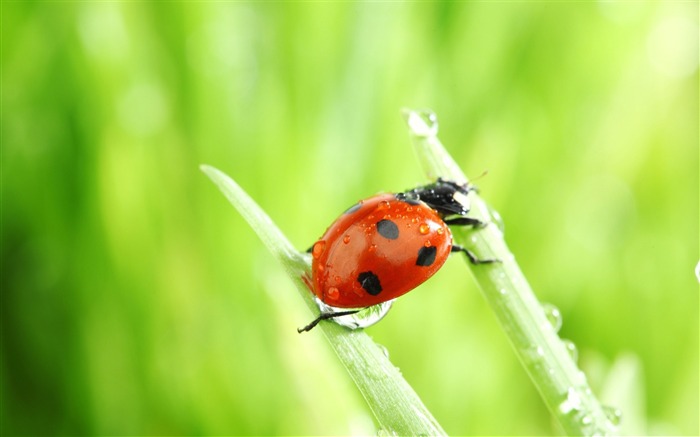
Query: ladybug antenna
column 484, row 173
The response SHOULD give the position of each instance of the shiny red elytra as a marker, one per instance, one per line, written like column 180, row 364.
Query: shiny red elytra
column 378, row 250
column 386, row 245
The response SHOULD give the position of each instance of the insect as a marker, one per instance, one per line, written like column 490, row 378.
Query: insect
column 386, row 245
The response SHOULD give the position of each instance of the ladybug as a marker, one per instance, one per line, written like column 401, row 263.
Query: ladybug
column 386, row 245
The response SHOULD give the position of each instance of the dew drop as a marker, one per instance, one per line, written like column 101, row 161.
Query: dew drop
column 337, row 278
column 423, row 228
column 318, row 248
column 613, row 414
column 586, row 420
column 584, row 380
column 422, row 122
column 497, row 220
column 362, row 319
column 553, row 316
column 384, row 204
column 384, row 350
column 333, row 293
column 346, row 239
column 428, row 244
column 372, row 248
column 571, row 349
column 571, row 403
column 440, row 231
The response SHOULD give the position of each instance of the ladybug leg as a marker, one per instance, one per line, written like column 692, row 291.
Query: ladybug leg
column 465, row 221
column 472, row 257
column 325, row 316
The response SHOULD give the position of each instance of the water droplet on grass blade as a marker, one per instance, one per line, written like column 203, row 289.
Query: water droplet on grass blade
column 553, row 315
column 613, row 414
column 497, row 220
column 571, row 349
column 362, row 319
column 422, row 122
column 571, row 403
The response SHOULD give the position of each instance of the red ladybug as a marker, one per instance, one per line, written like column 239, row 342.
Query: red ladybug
column 386, row 245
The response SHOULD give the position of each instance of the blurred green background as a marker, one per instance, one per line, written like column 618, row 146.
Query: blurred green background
column 136, row 301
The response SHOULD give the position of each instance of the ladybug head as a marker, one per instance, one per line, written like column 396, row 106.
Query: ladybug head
column 445, row 197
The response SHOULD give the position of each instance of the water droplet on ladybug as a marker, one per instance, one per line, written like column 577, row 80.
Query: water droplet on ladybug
column 358, row 290
column 372, row 248
column 424, row 228
column 346, row 239
column 384, row 204
column 428, row 244
column 337, row 278
column 333, row 293
column 318, row 248
column 440, row 231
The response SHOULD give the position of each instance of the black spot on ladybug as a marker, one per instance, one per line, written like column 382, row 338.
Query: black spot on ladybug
column 426, row 256
column 388, row 229
column 370, row 282
column 353, row 208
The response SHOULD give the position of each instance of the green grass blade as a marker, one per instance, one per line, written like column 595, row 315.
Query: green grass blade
column 393, row 402
column 562, row 385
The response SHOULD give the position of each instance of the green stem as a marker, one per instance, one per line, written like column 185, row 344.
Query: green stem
column 393, row 402
column 543, row 354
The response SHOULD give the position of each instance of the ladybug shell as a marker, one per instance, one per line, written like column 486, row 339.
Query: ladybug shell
column 378, row 250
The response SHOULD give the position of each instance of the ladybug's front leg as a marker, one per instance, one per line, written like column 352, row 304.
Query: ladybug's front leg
column 325, row 316
column 465, row 221
column 472, row 257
